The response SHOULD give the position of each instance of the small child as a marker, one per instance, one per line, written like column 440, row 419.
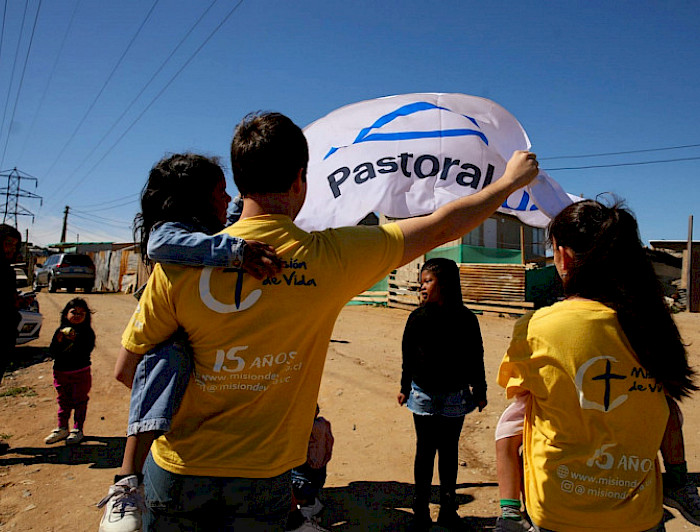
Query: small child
column 308, row 479
column 70, row 348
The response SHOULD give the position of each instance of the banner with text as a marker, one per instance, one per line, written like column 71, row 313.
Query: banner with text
column 407, row 155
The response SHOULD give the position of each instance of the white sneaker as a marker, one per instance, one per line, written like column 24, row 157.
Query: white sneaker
column 309, row 525
column 312, row 509
column 75, row 437
column 123, row 506
column 56, row 436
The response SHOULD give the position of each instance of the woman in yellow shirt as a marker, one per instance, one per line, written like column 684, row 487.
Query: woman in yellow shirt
column 593, row 373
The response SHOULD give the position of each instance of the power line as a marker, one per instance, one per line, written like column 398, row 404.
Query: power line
column 131, row 197
column 143, row 89
column 104, row 86
column 155, row 98
column 50, row 78
column 618, row 152
column 12, row 75
column 622, row 164
column 21, row 83
column 94, row 218
column 2, row 30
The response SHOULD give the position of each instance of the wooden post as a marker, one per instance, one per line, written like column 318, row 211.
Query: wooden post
column 522, row 244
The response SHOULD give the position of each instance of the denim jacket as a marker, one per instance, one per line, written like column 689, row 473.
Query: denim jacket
column 184, row 244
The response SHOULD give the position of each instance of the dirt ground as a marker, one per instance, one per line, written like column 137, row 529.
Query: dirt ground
column 369, row 487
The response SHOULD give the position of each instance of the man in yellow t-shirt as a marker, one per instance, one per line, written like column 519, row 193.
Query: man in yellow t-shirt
column 593, row 423
column 260, row 346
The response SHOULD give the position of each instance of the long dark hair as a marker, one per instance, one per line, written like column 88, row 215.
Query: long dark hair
column 446, row 272
column 610, row 265
column 180, row 188
column 73, row 303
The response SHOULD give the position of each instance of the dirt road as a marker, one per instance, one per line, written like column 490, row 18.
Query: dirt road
column 369, row 487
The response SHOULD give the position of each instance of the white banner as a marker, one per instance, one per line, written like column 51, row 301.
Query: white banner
column 407, row 155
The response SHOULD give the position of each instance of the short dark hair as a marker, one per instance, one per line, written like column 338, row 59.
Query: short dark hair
column 180, row 188
column 267, row 152
column 7, row 230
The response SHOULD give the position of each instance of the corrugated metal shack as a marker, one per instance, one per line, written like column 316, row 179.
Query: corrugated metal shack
column 118, row 265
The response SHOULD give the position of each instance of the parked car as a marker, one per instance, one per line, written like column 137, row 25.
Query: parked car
column 65, row 270
column 20, row 275
column 30, row 325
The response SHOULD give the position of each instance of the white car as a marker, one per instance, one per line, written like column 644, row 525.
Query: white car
column 30, row 325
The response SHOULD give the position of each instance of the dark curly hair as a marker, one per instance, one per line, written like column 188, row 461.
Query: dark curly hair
column 610, row 265
column 180, row 188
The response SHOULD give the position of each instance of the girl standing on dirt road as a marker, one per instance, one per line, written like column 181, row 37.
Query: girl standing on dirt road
column 442, row 381
column 70, row 349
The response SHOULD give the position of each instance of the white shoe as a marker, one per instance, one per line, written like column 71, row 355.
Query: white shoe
column 310, row 525
column 312, row 509
column 123, row 506
column 56, row 436
column 75, row 437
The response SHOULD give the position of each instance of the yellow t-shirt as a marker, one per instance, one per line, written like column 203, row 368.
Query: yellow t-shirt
column 259, row 346
column 594, row 423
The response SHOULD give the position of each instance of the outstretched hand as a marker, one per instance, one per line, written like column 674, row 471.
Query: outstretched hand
column 522, row 168
column 260, row 260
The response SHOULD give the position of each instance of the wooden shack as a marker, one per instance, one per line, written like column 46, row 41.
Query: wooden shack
column 503, row 269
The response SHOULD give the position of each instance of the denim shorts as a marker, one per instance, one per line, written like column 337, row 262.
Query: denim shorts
column 159, row 384
column 449, row 404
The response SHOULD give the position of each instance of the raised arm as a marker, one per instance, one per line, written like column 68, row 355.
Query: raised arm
column 175, row 243
column 458, row 217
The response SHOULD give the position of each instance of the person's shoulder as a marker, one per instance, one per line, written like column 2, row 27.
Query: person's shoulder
column 361, row 233
column 421, row 312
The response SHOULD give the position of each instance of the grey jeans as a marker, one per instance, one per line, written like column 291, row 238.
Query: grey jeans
column 214, row 504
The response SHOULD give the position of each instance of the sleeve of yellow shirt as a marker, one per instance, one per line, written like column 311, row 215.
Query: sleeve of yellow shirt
column 366, row 254
column 519, row 373
column 154, row 319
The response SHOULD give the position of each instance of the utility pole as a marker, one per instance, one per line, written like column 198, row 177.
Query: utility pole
column 13, row 192
column 65, row 224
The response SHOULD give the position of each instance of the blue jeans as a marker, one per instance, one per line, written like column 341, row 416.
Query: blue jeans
column 159, row 384
column 214, row 504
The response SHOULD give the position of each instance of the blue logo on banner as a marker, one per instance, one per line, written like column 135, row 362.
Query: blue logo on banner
column 369, row 135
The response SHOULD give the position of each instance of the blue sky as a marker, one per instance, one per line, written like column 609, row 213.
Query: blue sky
column 582, row 77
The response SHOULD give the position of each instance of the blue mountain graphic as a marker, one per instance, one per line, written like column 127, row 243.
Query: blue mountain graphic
column 366, row 134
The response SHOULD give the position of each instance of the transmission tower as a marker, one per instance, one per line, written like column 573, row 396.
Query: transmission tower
column 12, row 209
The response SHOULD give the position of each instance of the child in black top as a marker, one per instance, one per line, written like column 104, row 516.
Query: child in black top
column 70, row 348
column 442, row 381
